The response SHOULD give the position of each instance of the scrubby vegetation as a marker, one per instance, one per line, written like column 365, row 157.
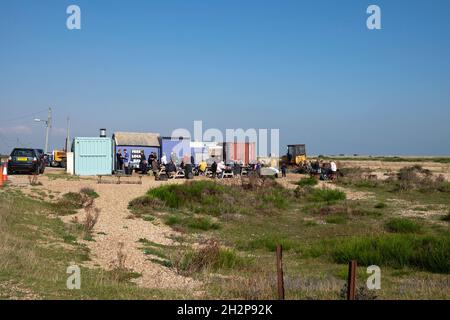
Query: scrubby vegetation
column 211, row 256
column 314, row 225
column 401, row 225
column 327, row 195
column 391, row 159
column 398, row 224
column 72, row 201
column 430, row 253
column 36, row 249
column 192, row 222
column 408, row 179
column 211, row 199
column 310, row 181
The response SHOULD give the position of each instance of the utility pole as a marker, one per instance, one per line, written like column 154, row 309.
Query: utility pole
column 68, row 135
column 48, row 124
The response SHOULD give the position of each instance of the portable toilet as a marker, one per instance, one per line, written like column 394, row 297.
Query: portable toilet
column 93, row 156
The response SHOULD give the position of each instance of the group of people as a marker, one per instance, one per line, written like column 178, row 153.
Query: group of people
column 146, row 164
column 325, row 170
column 122, row 160
column 172, row 166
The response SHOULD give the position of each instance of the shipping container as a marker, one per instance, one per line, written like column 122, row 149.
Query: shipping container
column 93, row 156
column 240, row 151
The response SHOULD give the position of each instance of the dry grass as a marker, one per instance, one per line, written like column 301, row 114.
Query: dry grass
column 34, row 180
column 119, row 272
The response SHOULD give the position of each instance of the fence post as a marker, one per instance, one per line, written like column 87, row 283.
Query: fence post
column 280, row 272
column 351, row 281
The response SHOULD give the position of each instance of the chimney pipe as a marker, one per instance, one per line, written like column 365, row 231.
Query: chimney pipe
column 102, row 133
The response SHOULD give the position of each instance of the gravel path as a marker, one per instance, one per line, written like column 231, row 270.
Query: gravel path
column 115, row 227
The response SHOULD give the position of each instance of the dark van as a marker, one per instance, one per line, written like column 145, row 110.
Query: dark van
column 25, row 160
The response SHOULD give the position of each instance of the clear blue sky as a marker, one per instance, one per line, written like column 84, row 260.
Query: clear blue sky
column 310, row 68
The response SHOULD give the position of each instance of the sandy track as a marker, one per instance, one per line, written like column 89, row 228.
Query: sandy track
column 114, row 227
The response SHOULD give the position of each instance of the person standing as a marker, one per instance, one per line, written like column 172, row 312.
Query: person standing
column 143, row 163
column 119, row 160
column 126, row 161
column 283, row 170
column 155, row 167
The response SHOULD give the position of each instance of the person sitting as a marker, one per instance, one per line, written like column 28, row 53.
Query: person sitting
column 174, row 157
column 220, row 169
column 214, row 169
column 236, row 169
column 333, row 170
column 171, row 169
column 164, row 159
column 202, row 167
column 155, row 167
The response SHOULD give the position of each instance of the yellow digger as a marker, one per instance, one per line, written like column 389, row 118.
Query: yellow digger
column 58, row 159
column 296, row 154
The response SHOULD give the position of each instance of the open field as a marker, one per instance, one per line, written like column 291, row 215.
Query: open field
column 216, row 240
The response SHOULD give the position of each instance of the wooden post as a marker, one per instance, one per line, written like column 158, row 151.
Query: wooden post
column 351, row 281
column 280, row 272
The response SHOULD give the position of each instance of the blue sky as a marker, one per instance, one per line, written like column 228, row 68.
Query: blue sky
column 310, row 68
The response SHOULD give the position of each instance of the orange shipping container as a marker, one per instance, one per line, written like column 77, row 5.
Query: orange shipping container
column 240, row 151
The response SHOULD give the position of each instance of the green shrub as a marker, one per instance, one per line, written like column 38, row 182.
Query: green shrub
column 144, row 205
column 148, row 218
column 74, row 199
column 269, row 243
column 336, row 220
column 167, row 194
column 327, row 195
column 228, row 259
column 446, row 217
column 275, row 197
column 211, row 198
column 172, row 220
column 199, row 223
column 401, row 225
column 310, row 181
column 429, row 253
column 211, row 256
column 89, row 192
column 155, row 252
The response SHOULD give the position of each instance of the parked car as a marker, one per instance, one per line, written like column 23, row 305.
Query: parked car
column 26, row 160
column 269, row 172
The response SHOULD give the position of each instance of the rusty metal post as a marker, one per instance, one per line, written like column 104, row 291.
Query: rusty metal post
column 280, row 272
column 351, row 281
